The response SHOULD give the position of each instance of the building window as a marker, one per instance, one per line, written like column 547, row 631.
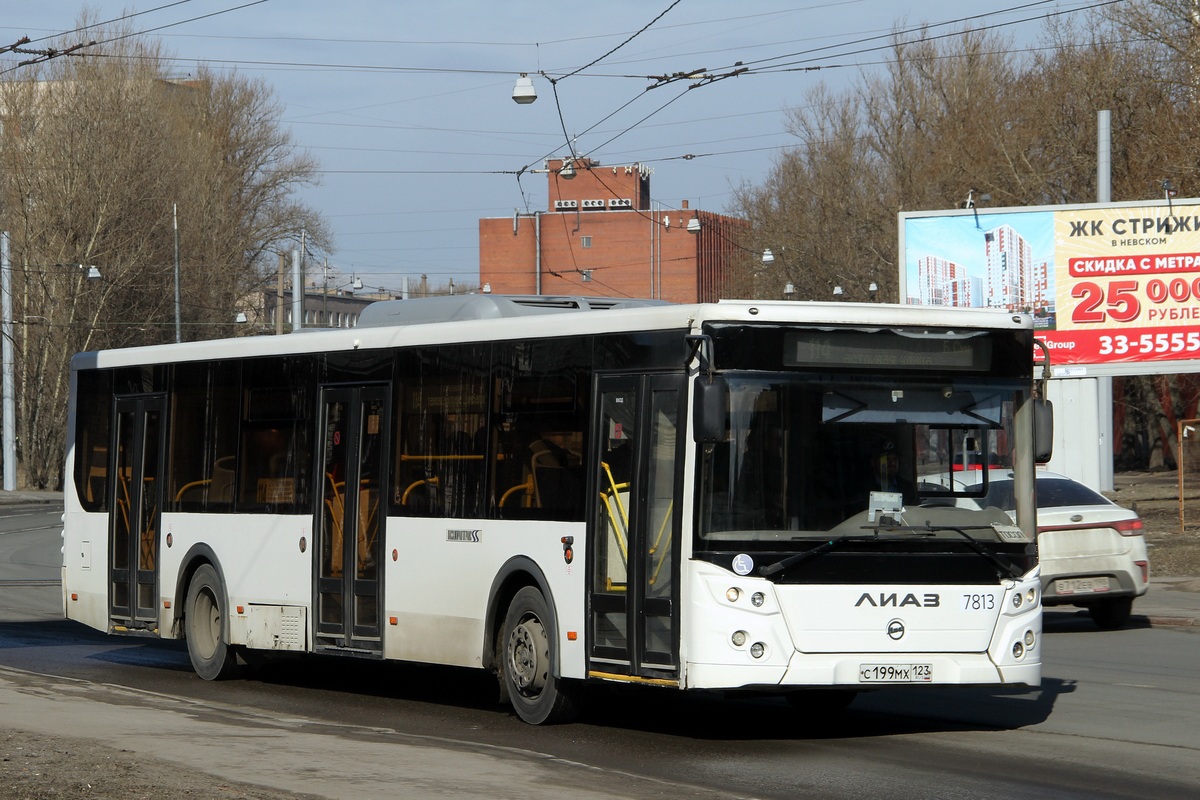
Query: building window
column 585, row 241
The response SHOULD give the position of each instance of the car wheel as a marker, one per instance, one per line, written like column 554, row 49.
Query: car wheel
column 1112, row 613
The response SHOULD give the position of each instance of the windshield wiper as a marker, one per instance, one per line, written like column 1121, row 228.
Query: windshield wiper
column 824, row 547
column 1004, row 567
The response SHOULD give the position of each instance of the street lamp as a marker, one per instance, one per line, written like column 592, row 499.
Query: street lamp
column 523, row 92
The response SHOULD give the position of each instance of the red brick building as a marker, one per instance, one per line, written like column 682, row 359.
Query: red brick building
column 600, row 237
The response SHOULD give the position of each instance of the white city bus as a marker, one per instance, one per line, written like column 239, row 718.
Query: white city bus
column 754, row 496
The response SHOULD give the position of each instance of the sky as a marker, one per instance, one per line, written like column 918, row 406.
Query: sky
column 408, row 106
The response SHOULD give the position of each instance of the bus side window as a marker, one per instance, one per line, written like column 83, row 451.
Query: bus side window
column 442, row 412
column 92, row 429
column 275, row 449
column 540, row 412
column 205, row 398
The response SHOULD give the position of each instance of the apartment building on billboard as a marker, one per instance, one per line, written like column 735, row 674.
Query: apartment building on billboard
column 935, row 276
column 1040, row 296
column 1009, row 278
column 1008, row 261
column 964, row 292
column 601, row 235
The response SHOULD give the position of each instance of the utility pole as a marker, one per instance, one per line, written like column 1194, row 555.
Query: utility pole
column 9, row 402
column 279, row 297
column 178, row 323
column 325, row 294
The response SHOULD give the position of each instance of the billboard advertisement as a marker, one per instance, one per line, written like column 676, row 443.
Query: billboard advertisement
column 1113, row 288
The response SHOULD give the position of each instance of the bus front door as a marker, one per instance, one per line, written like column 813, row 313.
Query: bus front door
column 634, row 529
column 135, row 504
column 349, row 579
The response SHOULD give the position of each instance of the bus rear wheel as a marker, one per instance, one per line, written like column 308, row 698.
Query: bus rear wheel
column 203, row 625
column 527, row 663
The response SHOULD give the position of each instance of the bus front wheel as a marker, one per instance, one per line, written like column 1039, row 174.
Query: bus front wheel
column 212, row 658
column 527, row 662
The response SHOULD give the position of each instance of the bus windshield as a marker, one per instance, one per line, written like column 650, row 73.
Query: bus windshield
column 807, row 454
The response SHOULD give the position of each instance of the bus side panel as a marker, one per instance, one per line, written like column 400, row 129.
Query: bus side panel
column 439, row 575
column 85, row 565
column 264, row 560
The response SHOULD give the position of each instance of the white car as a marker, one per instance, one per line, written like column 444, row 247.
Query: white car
column 1092, row 551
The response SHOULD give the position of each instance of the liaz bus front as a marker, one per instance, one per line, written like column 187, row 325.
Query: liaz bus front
column 840, row 538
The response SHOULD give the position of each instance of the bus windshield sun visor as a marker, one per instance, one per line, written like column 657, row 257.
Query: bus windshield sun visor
column 913, row 405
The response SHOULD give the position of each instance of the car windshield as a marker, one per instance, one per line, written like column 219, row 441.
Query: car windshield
column 1051, row 493
column 808, row 454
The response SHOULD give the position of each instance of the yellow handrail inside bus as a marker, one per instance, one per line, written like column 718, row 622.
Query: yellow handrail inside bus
column 608, row 496
column 192, row 485
column 527, row 486
column 414, row 485
column 662, row 531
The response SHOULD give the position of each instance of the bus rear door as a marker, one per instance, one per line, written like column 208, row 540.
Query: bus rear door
column 634, row 529
column 135, row 504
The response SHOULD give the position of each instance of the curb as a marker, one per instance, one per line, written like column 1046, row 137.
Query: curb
column 1172, row 622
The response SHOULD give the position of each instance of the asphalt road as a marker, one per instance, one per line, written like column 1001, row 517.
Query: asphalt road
column 1115, row 717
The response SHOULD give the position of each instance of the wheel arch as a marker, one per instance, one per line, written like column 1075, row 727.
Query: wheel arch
column 197, row 556
column 514, row 575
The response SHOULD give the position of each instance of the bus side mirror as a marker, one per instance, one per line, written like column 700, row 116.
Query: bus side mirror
column 1043, row 430
column 710, row 408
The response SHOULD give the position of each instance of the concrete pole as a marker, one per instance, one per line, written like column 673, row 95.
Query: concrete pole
column 1104, row 156
column 1104, row 383
column 178, row 323
column 9, row 401
column 297, row 293
column 279, row 296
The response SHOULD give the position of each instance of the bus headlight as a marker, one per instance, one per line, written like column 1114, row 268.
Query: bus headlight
column 732, row 594
column 1018, row 650
column 738, row 638
column 757, row 599
column 1017, row 600
column 758, row 649
column 1029, row 638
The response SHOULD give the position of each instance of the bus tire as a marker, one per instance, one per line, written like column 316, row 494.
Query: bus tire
column 527, row 653
column 203, row 624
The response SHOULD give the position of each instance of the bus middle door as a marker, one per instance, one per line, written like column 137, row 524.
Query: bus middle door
column 350, row 519
column 634, row 528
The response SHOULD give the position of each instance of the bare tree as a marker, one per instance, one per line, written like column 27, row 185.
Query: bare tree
column 100, row 149
column 951, row 115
